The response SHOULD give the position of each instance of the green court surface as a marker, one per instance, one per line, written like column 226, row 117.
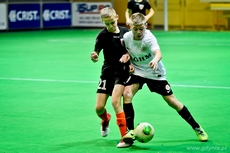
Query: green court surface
column 48, row 85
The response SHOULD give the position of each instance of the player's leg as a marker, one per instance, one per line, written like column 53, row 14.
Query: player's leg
column 104, row 90
column 102, row 113
column 128, row 95
column 116, row 102
column 186, row 115
column 120, row 115
column 173, row 102
column 132, row 86
column 163, row 88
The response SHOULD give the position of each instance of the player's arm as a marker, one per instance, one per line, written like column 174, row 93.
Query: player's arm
column 157, row 57
column 97, row 48
column 150, row 14
column 127, row 16
column 94, row 56
column 131, row 68
column 125, row 58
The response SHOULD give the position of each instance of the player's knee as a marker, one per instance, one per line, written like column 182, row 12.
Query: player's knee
column 174, row 103
column 171, row 105
column 99, row 109
column 116, row 104
column 127, row 95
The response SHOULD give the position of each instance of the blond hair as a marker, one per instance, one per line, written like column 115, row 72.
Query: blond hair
column 137, row 19
column 108, row 12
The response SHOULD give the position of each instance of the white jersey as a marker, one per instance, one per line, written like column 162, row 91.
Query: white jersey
column 141, row 52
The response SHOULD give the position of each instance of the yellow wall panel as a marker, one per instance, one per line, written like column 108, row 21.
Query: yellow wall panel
column 120, row 6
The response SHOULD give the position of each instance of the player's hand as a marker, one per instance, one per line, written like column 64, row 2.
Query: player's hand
column 125, row 58
column 131, row 69
column 153, row 64
column 94, row 56
column 128, row 22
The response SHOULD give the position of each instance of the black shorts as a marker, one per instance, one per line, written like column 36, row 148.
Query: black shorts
column 106, row 85
column 161, row 87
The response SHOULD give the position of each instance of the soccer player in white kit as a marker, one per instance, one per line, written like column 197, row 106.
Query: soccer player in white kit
column 145, row 56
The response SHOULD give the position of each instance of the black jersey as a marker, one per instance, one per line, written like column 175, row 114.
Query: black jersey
column 139, row 6
column 111, row 44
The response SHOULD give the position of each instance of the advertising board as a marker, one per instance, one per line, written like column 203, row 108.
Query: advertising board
column 56, row 15
column 23, row 16
column 87, row 14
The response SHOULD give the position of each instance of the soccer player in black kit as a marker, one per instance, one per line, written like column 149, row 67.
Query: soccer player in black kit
column 114, row 74
column 140, row 6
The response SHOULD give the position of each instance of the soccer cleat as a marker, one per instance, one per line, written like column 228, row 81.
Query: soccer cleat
column 105, row 127
column 122, row 144
column 129, row 137
column 201, row 134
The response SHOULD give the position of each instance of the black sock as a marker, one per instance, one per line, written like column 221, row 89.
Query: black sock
column 186, row 115
column 129, row 115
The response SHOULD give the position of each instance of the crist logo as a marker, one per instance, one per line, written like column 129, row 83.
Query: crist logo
column 15, row 15
column 55, row 15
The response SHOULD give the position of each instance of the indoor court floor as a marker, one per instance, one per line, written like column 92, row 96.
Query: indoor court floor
column 48, row 89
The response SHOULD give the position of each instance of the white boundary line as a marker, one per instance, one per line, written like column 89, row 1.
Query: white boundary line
column 78, row 81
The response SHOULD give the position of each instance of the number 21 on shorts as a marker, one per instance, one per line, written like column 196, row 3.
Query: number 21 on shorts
column 102, row 85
